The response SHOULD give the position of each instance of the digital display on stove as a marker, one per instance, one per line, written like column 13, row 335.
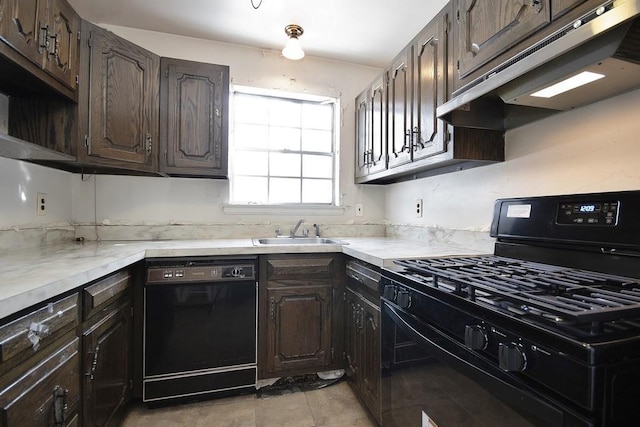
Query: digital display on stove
column 588, row 213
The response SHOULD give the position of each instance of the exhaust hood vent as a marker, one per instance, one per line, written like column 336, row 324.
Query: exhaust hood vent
column 603, row 44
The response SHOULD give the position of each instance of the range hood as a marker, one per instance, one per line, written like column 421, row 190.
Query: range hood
column 605, row 42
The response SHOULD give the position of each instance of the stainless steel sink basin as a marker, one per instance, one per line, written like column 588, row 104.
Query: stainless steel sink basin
column 296, row 241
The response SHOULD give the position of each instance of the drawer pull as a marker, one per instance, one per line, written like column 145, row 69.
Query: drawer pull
column 60, row 406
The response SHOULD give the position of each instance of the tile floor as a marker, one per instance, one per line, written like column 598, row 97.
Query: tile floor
column 332, row 406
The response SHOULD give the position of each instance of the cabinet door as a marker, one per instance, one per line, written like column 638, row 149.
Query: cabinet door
column 21, row 22
column 194, row 117
column 430, row 89
column 352, row 336
column 107, row 347
column 488, row 28
column 378, row 156
column 122, row 102
column 560, row 7
column 61, row 59
column 399, row 110
column 363, row 134
column 370, row 360
column 299, row 328
column 48, row 394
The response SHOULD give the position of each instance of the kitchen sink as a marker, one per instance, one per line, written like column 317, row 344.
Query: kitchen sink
column 297, row 241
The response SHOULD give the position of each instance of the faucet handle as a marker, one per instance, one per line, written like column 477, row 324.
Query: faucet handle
column 317, row 227
column 278, row 232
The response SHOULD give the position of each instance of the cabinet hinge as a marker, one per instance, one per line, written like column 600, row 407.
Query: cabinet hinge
column 89, row 40
column 78, row 34
column 332, row 353
column 131, row 384
column 86, row 141
column 333, row 294
column 458, row 65
column 166, row 154
column 457, row 16
column 166, row 73
column 77, row 79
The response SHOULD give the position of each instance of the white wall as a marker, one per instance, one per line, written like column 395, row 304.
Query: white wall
column 591, row 149
column 140, row 200
column 20, row 182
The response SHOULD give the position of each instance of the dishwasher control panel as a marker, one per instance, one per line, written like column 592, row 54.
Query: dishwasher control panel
column 200, row 273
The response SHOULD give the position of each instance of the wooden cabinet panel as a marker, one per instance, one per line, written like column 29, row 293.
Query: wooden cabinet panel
column 194, row 116
column 61, row 60
column 33, row 332
column 300, row 309
column 378, row 105
column 107, row 347
column 105, row 291
column 299, row 329
column 488, row 28
column 399, row 109
column 352, row 335
column 560, row 7
column 429, row 136
column 47, row 394
column 20, row 24
column 363, row 134
column 122, row 101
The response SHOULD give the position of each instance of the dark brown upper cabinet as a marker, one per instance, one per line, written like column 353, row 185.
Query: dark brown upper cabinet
column 194, row 105
column 399, row 109
column 430, row 89
column 363, row 134
column 488, row 28
column 378, row 108
column 46, row 32
column 119, row 102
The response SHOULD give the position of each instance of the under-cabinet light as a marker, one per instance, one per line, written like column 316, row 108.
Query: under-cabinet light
column 567, row 84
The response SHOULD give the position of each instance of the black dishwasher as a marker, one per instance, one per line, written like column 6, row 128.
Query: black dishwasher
column 200, row 317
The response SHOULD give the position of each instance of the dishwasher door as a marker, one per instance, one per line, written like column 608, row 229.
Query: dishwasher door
column 199, row 329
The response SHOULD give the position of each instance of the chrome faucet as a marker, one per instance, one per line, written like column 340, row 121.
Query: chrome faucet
column 292, row 233
column 317, row 230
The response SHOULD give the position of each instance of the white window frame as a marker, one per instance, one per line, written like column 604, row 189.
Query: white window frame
column 329, row 208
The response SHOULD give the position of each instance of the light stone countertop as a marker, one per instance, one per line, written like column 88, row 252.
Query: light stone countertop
column 30, row 276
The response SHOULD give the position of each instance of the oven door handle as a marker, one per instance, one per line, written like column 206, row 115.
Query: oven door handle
column 455, row 355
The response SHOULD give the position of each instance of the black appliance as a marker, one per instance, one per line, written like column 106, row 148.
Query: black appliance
column 200, row 318
column 545, row 331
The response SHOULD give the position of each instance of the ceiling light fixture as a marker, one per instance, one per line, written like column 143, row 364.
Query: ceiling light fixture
column 293, row 50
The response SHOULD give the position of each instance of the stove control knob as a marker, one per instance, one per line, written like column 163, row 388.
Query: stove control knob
column 511, row 357
column 389, row 292
column 475, row 337
column 403, row 299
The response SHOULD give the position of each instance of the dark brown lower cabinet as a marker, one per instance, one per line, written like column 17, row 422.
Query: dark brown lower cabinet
column 48, row 393
column 299, row 313
column 107, row 347
column 362, row 349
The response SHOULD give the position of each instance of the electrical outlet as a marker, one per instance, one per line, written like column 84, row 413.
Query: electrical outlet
column 41, row 205
column 418, row 207
column 359, row 209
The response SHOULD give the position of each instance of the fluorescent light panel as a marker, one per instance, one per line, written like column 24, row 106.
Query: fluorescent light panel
column 578, row 80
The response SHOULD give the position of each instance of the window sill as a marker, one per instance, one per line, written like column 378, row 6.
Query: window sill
column 320, row 210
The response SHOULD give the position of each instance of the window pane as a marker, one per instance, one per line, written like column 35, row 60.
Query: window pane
column 251, row 109
column 251, row 136
column 317, row 116
column 284, row 164
column 284, row 190
column 251, row 163
column 282, row 138
column 317, row 140
column 250, row 190
column 317, row 191
column 317, row 166
column 284, row 113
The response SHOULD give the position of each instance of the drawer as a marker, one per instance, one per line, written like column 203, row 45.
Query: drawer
column 46, row 393
column 293, row 267
column 104, row 291
column 34, row 331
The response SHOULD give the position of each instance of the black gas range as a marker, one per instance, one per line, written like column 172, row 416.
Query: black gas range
column 546, row 330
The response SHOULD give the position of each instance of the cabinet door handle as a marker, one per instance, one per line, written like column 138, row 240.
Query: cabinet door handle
column 148, row 144
column 94, row 365
column 272, row 309
column 60, row 406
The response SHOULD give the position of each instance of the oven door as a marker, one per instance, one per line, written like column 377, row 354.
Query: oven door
column 429, row 379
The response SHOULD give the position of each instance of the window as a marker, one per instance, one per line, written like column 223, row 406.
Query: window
column 283, row 149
